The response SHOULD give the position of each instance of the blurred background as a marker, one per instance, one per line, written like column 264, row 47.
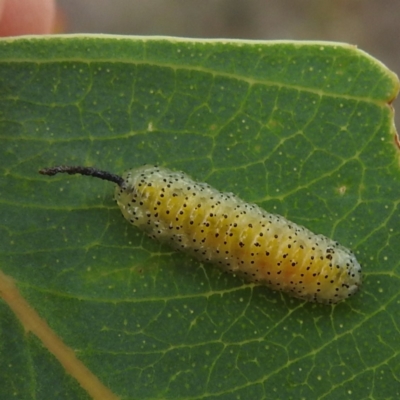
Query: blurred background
column 371, row 25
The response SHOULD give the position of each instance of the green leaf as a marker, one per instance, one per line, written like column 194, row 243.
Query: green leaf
column 302, row 129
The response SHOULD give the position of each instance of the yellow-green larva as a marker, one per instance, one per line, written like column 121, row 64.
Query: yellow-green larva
column 239, row 237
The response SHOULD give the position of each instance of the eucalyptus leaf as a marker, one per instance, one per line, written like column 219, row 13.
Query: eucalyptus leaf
column 303, row 129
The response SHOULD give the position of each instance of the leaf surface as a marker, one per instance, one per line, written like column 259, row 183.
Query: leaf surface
column 302, row 129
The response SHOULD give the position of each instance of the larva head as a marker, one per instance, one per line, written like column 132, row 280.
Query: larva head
column 340, row 277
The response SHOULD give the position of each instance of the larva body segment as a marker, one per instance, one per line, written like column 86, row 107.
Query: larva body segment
column 239, row 237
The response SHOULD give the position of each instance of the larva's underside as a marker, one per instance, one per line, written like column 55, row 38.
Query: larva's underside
column 239, row 237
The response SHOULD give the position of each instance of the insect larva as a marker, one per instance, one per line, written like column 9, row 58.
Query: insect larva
column 239, row 237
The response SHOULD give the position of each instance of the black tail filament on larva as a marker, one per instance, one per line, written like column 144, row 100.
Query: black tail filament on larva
column 88, row 171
